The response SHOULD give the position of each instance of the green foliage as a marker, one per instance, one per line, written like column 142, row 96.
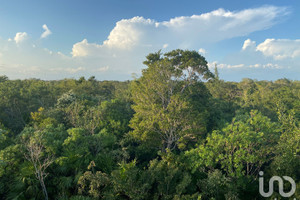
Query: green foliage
column 177, row 132
column 241, row 148
column 93, row 183
column 5, row 137
column 170, row 177
column 287, row 150
column 3, row 78
column 130, row 182
column 66, row 99
column 217, row 186
column 167, row 99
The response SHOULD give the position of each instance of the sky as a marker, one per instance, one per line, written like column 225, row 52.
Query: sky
column 109, row 39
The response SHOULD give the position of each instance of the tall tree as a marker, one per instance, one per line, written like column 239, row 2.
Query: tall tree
column 35, row 155
column 167, row 98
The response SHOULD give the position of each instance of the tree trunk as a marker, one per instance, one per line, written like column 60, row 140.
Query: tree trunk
column 44, row 188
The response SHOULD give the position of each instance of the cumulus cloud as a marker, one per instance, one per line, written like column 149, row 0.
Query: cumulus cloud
column 84, row 48
column 47, row 31
column 249, row 44
column 20, row 37
column 129, row 32
column 280, row 48
column 182, row 32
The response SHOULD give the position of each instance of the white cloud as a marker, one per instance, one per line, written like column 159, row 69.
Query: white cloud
column 212, row 65
column 68, row 70
column 221, row 24
column 128, row 32
column 47, row 31
column 83, row 48
column 280, row 49
column 20, row 37
column 202, row 51
column 28, row 70
column 145, row 35
column 258, row 71
column 236, row 66
column 255, row 65
column 269, row 54
column 277, row 49
column 268, row 65
column 102, row 69
column 249, row 44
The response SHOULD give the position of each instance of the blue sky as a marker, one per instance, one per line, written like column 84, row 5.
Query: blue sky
column 110, row 39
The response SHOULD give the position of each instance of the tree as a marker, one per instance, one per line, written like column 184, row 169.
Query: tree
column 171, row 180
column 130, row 182
column 35, row 155
column 3, row 78
column 5, row 137
column 241, row 148
column 240, row 151
column 66, row 99
column 166, row 98
column 287, row 150
column 216, row 73
column 93, row 183
column 217, row 186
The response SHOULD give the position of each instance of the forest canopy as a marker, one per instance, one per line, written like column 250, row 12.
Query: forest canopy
column 176, row 132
